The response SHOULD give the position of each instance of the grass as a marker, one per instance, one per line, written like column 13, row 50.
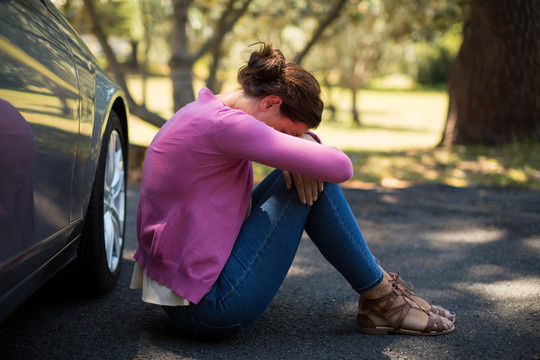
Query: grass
column 460, row 166
column 395, row 144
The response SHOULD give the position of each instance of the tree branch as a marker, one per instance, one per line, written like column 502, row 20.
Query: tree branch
column 332, row 15
column 136, row 109
column 223, row 27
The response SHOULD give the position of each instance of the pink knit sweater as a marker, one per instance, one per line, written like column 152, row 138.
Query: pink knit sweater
column 196, row 188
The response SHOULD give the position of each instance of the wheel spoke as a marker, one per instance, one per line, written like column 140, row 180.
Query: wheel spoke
column 109, row 240
column 114, row 201
column 117, row 185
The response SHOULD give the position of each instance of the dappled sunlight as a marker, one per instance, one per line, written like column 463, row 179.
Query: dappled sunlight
column 159, row 92
column 458, row 166
column 357, row 184
column 506, row 295
column 472, row 236
column 488, row 272
column 141, row 132
column 46, row 110
column 375, row 138
column 389, row 199
column 395, row 145
column 394, row 183
column 533, row 243
column 128, row 254
column 304, row 266
column 414, row 110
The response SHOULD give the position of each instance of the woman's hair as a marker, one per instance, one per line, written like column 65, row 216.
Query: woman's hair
column 268, row 73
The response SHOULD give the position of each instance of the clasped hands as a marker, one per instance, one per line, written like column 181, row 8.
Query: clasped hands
column 308, row 189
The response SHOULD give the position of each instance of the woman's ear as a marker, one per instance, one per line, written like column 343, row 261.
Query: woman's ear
column 270, row 102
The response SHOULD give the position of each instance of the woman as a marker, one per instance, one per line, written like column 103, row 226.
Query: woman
column 213, row 253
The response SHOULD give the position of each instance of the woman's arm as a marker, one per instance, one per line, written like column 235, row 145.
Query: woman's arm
column 245, row 137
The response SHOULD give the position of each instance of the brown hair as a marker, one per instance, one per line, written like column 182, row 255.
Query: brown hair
column 268, row 73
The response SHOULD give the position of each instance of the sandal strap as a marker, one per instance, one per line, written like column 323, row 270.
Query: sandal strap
column 437, row 310
column 398, row 280
column 389, row 309
column 407, row 287
column 434, row 320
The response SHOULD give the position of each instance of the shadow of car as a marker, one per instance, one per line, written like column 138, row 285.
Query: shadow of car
column 63, row 157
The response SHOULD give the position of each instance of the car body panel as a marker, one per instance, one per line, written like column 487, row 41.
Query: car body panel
column 44, row 90
column 55, row 101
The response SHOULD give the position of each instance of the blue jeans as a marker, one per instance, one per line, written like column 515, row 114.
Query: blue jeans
column 264, row 252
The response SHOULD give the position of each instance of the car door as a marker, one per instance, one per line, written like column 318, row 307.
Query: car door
column 39, row 126
column 85, row 65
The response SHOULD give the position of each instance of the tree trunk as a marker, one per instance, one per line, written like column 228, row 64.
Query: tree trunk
column 230, row 16
column 494, row 86
column 355, row 112
column 212, row 81
column 133, row 58
column 181, row 62
column 329, row 105
column 147, row 26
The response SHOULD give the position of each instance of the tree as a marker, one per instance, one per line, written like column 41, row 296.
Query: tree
column 324, row 21
column 97, row 29
column 494, row 86
column 375, row 37
column 182, row 61
column 359, row 49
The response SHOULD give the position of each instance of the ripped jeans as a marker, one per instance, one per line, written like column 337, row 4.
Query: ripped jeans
column 264, row 252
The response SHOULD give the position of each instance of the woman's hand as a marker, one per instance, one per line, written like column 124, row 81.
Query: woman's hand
column 308, row 189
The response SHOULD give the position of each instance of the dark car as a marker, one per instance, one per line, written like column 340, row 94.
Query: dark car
column 63, row 157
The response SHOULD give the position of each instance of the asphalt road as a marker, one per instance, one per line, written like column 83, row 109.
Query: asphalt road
column 476, row 251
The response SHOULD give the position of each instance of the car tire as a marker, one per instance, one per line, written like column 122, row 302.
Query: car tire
column 99, row 254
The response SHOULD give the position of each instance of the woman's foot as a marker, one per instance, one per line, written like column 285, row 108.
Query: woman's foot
column 388, row 309
column 423, row 304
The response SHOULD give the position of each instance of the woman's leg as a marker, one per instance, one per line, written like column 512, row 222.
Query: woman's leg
column 332, row 226
column 256, row 268
column 265, row 249
column 386, row 307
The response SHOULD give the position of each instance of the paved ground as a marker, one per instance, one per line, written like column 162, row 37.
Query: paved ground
column 475, row 251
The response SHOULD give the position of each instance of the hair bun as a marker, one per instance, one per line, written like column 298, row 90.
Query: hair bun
column 267, row 73
column 267, row 63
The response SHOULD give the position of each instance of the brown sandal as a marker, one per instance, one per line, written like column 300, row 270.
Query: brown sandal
column 407, row 287
column 366, row 325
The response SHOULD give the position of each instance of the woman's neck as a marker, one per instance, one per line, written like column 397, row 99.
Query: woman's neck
column 238, row 99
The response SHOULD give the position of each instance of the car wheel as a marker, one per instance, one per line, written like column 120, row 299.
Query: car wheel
column 102, row 241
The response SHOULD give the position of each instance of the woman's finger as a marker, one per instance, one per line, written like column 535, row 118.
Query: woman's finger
column 315, row 189
column 287, row 178
column 300, row 188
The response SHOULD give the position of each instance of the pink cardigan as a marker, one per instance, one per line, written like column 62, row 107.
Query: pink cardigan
column 196, row 187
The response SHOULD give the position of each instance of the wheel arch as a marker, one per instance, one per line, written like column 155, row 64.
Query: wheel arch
column 109, row 97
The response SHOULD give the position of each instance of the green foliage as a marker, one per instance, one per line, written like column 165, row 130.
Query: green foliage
column 131, row 26
column 395, row 146
column 370, row 38
column 515, row 165
column 115, row 15
column 434, row 59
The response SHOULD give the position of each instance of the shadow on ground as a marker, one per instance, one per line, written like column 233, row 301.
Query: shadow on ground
column 474, row 250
